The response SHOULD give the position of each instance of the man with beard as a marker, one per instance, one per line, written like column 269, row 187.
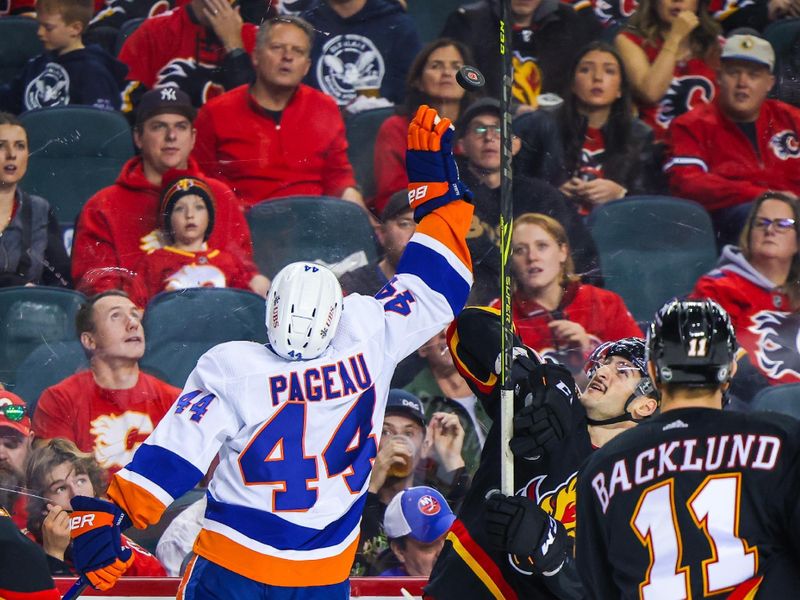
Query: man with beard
column 16, row 437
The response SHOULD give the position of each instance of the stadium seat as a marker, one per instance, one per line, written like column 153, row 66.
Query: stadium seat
column 47, row 365
column 75, row 151
column 18, row 44
column 314, row 228
column 430, row 16
column 29, row 317
column 784, row 35
column 362, row 130
column 128, row 27
column 180, row 326
column 652, row 248
column 783, row 399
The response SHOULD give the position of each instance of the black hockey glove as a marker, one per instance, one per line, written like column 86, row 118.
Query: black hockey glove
column 537, row 542
column 545, row 419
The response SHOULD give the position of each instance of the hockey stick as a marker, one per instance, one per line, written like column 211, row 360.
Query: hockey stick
column 506, row 225
column 76, row 589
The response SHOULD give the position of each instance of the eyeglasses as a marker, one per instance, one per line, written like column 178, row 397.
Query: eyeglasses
column 14, row 412
column 482, row 130
column 781, row 225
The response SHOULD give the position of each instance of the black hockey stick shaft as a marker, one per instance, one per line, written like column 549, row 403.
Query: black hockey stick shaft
column 506, row 226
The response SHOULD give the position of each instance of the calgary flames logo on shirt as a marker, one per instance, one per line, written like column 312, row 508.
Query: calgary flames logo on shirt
column 614, row 11
column 197, row 79
column 527, row 79
column 785, row 144
column 683, row 95
column 116, row 437
column 559, row 503
column 192, row 276
column 778, row 350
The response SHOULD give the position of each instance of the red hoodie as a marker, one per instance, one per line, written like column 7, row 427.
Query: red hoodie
column 118, row 225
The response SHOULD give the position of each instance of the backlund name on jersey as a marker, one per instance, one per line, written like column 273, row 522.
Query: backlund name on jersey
column 325, row 382
column 714, row 453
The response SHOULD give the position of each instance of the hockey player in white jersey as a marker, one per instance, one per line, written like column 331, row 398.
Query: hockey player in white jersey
column 295, row 422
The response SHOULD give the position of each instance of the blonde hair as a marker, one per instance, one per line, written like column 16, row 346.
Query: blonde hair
column 556, row 231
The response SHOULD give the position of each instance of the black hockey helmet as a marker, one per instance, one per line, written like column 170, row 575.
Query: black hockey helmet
column 632, row 349
column 692, row 342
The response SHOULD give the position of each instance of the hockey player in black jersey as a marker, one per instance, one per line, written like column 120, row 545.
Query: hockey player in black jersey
column 696, row 502
column 521, row 546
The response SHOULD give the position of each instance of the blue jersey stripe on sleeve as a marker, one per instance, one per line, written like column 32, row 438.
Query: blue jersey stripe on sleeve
column 172, row 473
column 436, row 272
column 270, row 529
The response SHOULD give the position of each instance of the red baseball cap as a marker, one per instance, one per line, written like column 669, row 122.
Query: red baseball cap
column 14, row 418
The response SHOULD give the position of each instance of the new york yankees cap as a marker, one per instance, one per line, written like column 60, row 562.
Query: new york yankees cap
column 165, row 100
column 419, row 512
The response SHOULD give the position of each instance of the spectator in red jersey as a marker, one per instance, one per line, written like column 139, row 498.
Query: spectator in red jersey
column 186, row 215
column 608, row 154
column 277, row 137
column 58, row 471
column 553, row 312
column 119, row 224
column 671, row 50
column 112, row 407
column 202, row 48
column 431, row 80
column 758, row 283
column 726, row 154
column 16, row 439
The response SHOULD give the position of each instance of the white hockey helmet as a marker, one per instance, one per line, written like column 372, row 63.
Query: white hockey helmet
column 303, row 309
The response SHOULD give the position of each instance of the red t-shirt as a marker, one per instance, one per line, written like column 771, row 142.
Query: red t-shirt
column 694, row 82
column 109, row 423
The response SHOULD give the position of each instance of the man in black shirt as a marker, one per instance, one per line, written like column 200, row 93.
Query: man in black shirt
column 697, row 501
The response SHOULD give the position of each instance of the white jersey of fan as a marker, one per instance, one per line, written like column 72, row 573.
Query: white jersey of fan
column 296, row 439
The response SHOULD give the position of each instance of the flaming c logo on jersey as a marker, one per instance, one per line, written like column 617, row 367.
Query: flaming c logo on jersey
column 785, row 144
column 559, row 503
column 527, row 79
column 778, row 352
column 428, row 505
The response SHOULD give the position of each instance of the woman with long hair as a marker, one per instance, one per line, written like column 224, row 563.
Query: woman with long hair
column 607, row 152
column 671, row 50
column 431, row 80
column 758, row 283
column 31, row 249
column 553, row 311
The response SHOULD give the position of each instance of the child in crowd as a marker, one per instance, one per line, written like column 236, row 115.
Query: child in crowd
column 67, row 72
column 187, row 218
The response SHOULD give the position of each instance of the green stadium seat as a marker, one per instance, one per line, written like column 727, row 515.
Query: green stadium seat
column 652, row 248
column 128, row 27
column 47, row 365
column 18, row 44
column 783, row 399
column 29, row 317
column 430, row 16
column 313, row 228
column 75, row 151
column 180, row 326
column 362, row 130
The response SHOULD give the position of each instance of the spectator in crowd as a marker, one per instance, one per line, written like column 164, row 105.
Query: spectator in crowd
column 57, row 472
column 110, row 408
column 431, row 80
column 726, row 154
column 546, row 35
column 277, row 137
column 416, row 522
column 119, row 224
column 18, row 8
column 31, row 247
column 554, row 313
column 202, row 48
column 405, row 453
column 16, row 441
column 758, row 284
column 555, row 430
column 25, row 574
column 67, row 72
column 396, row 228
column 608, row 154
column 367, row 47
column 186, row 216
column 441, row 388
column 670, row 51
column 479, row 141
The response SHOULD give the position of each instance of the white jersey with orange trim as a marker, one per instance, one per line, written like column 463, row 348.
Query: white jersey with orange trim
column 296, row 439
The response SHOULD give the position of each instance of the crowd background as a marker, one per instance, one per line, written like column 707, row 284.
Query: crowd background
column 160, row 162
